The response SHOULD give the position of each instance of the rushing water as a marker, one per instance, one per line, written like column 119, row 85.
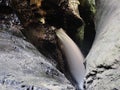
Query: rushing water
column 74, row 57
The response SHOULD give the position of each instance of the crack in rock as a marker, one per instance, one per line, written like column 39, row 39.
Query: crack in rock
column 91, row 76
column 106, row 67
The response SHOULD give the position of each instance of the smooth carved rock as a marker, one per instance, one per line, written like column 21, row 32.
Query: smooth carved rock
column 23, row 67
column 103, row 60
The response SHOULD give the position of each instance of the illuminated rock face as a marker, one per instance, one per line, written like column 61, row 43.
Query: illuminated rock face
column 23, row 67
column 103, row 60
column 74, row 57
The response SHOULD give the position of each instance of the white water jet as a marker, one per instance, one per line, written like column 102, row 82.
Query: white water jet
column 74, row 57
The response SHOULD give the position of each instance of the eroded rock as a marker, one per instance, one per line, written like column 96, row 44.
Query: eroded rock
column 22, row 67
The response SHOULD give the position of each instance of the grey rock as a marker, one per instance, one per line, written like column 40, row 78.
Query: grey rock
column 23, row 67
column 103, row 60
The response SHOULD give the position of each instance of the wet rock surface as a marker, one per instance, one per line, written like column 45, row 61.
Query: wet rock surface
column 27, row 62
column 22, row 67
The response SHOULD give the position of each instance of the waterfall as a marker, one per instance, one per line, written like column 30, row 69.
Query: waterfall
column 74, row 57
